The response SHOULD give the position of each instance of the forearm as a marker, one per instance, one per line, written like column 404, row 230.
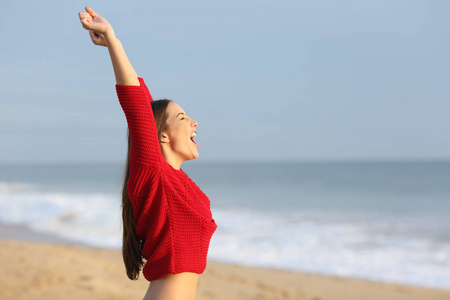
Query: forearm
column 123, row 70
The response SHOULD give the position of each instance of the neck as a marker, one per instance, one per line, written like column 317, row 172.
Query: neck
column 171, row 159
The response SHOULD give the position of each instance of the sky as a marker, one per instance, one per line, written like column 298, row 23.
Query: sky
column 266, row 80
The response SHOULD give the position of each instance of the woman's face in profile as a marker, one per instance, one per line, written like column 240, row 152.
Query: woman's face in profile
column 180, row 133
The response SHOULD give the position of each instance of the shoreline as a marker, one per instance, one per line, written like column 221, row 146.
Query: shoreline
column 53, row 268
column 24, row 233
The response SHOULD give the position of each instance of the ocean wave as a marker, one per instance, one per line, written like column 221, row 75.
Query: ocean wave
column 319, row 243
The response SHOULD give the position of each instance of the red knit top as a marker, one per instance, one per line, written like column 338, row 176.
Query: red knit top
column 172, row 215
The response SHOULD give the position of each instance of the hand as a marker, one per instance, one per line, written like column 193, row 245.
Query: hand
column 98, row 27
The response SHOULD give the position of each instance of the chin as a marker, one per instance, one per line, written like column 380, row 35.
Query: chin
column 195, row 155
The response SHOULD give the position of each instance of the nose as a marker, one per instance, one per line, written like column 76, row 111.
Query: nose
column 195, row 123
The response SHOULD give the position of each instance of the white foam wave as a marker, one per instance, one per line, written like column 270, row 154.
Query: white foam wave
column 93, row 218
column 304, row 242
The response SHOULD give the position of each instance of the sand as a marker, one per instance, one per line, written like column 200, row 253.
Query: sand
column 36, row 270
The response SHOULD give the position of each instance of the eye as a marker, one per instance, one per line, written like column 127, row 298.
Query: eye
column 182, row 118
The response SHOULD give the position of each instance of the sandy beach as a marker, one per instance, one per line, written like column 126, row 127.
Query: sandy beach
column 37, row 270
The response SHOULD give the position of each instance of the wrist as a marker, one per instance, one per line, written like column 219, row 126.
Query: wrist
column 109, row 35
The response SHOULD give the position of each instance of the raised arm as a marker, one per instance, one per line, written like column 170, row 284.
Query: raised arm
column 134, row 97
column 102, row 34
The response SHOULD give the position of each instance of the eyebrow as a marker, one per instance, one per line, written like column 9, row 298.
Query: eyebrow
column 181, row 113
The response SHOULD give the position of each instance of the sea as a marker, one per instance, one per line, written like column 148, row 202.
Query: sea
column 379, row 220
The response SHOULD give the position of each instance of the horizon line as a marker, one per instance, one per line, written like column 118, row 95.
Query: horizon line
column 243, row 161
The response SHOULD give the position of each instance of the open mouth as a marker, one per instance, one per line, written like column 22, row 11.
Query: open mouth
column 192, row 138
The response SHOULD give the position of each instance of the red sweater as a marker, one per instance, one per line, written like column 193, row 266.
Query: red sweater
column 172, row 215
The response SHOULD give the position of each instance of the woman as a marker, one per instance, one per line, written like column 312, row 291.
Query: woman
column 166, row 218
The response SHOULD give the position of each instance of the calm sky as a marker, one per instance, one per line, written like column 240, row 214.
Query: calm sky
column 266, row 80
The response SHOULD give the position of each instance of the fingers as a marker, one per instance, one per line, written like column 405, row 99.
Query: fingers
column 86, row 23
column 83, row 15
column 85, row 19
column 93, row 21
column 90, row 11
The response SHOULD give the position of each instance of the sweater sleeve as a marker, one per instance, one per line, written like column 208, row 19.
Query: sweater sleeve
column 135, row 102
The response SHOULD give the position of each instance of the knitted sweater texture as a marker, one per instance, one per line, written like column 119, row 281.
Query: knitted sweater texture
column 172, row 215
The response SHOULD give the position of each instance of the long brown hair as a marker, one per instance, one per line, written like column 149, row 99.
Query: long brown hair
column 132, row 245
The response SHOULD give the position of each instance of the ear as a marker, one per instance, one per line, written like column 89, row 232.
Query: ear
column 164, row 138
